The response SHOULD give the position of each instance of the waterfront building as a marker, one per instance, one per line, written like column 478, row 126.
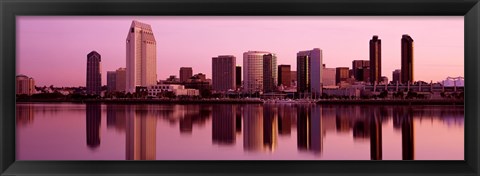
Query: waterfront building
column 223, row 73
column 328, row 76
column 341, row 74
column 407, row 59
column 199, row 81
column 238, row 76
column 94, row 73
column 293, row 76
column 375, row 59
column 179, row 90
column 25, row 85
column 358, row 67
column 185, row 73
column 253, row 71
column 111, row 81
column 309, row 71
column 284, row 78
column 396, row 76
column 141, row 56
column 384, row 80
column 121, row 79
column 269, row 73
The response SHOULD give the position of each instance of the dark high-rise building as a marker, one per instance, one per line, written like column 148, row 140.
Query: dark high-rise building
column 185, row 73
column 111, row 81
column 223, row 73
column 284, row 77
column 94, row 75
column 396, row 76
column 309, row 72
column 407, row 59
column 375, row 59
column 341, row 74
column 357, row 69
column 303, row 74
column 269, row 73
column 238, row 76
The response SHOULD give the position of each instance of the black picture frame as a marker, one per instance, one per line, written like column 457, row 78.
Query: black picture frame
column 9, row 9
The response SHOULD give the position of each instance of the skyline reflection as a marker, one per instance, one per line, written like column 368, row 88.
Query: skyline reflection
column 93, row 121
column 261, row 129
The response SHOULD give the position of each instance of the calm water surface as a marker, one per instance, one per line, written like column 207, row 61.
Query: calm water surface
column 67, row 131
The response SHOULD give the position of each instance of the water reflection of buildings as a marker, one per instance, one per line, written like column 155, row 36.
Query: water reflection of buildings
column 93, row 121
column 286, row 114
column 367, row 124
column 116, row 117
column 223, row 124
column 408, row 151
column 309, row 128
column 141, row 133
column 375, row 135
column 24, row 114
column 192, row 114
column 270, row 127
column 253, row 127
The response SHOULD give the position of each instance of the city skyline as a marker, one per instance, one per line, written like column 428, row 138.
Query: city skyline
column 430, row 54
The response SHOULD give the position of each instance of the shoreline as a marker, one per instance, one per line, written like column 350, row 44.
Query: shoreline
column 251, row 101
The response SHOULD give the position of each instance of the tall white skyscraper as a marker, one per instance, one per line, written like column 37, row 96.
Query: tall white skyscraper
column 141, row 56
column 253, row 70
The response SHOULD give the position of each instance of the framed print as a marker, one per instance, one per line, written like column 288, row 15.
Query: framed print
column 252, row 87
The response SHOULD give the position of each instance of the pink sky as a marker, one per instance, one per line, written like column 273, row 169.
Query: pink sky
column 53, row 50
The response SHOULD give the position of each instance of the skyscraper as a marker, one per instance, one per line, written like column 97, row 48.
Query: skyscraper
column 396, row 76
column 253, row 71
column 341, row 74
column 141, row 56
column 25, row 85
column 407, row 59
column 309, row 71
column 185, row 73
column 375, row 59
column 269, row 72
column 111, row 81
column 238, row 76
column 223, row 73
column 94, row 75
column 284, row 75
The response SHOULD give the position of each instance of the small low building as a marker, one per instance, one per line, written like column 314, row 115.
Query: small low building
column 179, row 90
column 350, row 92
